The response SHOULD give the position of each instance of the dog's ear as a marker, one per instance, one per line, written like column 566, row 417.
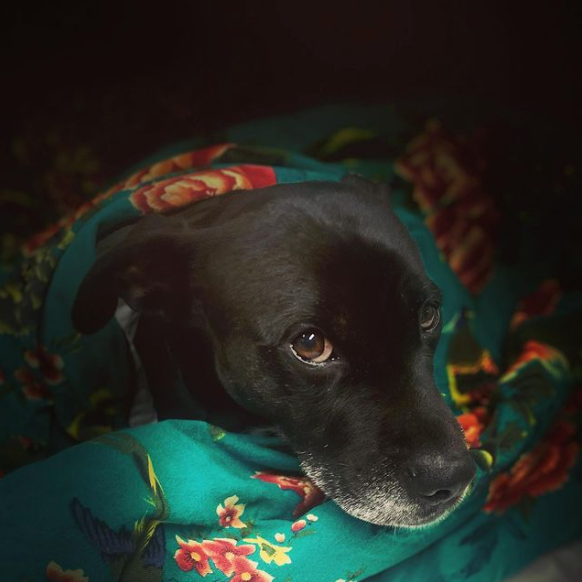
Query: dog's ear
column 151, row 259
column 367, row 186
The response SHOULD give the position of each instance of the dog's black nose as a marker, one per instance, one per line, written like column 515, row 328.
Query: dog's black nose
column 436, row 479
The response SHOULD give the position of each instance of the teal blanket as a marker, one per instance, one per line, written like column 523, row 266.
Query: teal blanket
column 185, row 500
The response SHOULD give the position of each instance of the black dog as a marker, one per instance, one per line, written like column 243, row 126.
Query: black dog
column 306, row 305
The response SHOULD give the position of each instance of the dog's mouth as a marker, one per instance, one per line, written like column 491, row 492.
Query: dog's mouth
column 380, row 499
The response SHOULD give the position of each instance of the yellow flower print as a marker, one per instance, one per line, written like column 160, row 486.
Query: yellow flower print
column 270, row 552
column 229, row 515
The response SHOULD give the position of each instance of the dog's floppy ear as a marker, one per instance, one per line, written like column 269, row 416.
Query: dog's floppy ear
column 365, row 185
column 151, row 260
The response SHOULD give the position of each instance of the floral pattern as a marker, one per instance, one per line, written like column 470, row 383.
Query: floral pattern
column 49, row 365
column 447, row 174
column 533, row 351
column 270, row 552
column 473, row 424
column 478, row 387
column 185, row 189
column 227, row 555
column 298, row 525
column 191, row 556
column 240, row 542
column 543, row 301
column 229, row 514
column 32, row 388
column 244, row 573
column 545, row 468
column 200, row 158
column 188, row 160
column 56, row 573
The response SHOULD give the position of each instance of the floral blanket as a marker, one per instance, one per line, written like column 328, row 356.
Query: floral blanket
column 185, row 500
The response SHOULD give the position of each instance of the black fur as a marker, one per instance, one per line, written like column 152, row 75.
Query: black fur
column 224, row 286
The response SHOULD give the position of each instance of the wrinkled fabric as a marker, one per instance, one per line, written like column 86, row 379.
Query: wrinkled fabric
column 185, row 500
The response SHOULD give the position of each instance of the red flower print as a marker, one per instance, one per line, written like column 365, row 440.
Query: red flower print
column 303, row 486
column 245, row 571
column 465, row 242
column 542, row 301
column 195, row 159
column 539, row 471
column 192, row 556
column 549, row 357
column 298, row 525
column 50, row 365
column 55, row 573
column 224, row 552
column 188, row 188
column 443, row 168
column 229, row 515
column 472, row 425
column 66, row 222
column 32, row 388
column 543, row 469
column 39, row 238
column 447, row 173
column 173, row 192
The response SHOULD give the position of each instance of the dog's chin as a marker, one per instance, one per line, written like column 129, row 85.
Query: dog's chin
column 380, row 501
column 394, row 513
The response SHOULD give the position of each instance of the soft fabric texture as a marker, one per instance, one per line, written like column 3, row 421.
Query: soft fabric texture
column 184, row 500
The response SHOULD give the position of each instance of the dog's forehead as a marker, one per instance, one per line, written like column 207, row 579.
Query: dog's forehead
column 327, row 265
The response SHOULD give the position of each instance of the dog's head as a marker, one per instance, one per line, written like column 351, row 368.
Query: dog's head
column 320, row 317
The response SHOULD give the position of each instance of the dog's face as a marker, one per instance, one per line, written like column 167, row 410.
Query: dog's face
column 321, row 319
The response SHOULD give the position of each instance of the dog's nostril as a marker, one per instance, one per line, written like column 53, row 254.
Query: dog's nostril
column 438, row 496
column 438, row 479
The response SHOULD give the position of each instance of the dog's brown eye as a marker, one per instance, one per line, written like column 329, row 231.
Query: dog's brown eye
column 312, row 347
column 430, row 317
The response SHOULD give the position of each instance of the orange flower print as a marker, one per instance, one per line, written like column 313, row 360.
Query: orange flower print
column 224, row 552
column 229, row 515
column 447, row 173
column 298, row 525
column 245, row 572
column 553, row 360
column 442, row 167
column 50, row 365
column 39, row 238
column 195, row 159
column 191, row 556
column 188, row 188
column 32, row 388
column 539, row 471
column 472, row 425
column 542, row 301
column 55, row 573
column 466, row 243
column 303, row 486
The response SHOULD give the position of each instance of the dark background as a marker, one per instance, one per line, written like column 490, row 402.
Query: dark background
column 91, row 88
